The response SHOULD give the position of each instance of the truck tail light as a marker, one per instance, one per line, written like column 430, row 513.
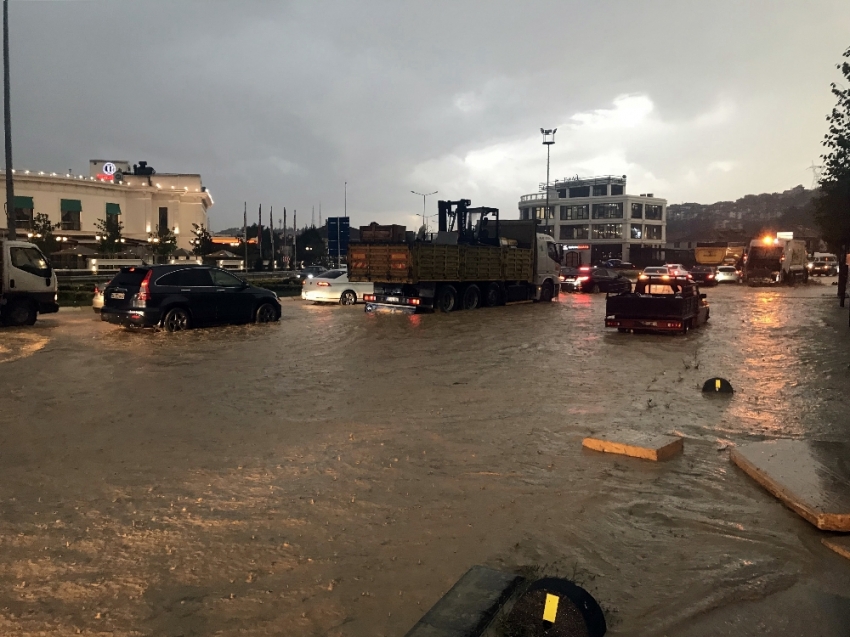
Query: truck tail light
column 413, row 301
column 144, row 291
column 369, row 297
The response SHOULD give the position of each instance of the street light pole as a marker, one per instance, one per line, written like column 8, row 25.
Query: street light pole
column 548, row 140
column 424, row 195
column 11, row 231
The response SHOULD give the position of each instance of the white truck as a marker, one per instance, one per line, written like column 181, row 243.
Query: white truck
column 28, row 285
column 776, row 260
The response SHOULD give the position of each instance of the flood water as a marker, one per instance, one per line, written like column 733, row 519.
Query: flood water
column 335, row 473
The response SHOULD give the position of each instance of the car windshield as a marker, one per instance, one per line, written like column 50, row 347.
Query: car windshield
column 701, row 268
column 726, row 269
column 655, row 270
column 333, row 274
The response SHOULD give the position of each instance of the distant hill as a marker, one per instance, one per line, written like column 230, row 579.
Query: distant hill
column 745, row 218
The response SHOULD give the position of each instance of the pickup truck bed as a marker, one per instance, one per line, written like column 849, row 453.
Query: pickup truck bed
column 678, row 311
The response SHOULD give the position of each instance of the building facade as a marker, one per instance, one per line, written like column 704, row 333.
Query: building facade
column 141, row 199
column 594, row 219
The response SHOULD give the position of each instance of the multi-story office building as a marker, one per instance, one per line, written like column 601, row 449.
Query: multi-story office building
column 594, row 219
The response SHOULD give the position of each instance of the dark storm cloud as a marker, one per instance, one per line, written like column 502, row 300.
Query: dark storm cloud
column 281, row 103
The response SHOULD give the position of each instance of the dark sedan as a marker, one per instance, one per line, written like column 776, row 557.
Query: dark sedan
column 178, row 297
column 705, row 275
column 596, row 280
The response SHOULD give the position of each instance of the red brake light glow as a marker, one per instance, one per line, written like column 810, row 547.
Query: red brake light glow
column 144, row 293
column 413, row 301
column 323, row 284
column 368, row 297
column 584, row 278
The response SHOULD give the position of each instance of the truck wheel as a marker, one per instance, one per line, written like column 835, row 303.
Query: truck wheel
column 493, row 295
column 446, row 298
column 20, row 313
column 686, row 325
column 595, row 289
column 471, row 297
column 547, row 292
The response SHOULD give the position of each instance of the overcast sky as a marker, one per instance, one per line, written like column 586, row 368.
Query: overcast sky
column 280, row 103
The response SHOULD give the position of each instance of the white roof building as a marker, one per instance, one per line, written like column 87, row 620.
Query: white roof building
column 142, row 199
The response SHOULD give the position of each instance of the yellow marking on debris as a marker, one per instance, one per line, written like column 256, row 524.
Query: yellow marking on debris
column 716, row 384
column 550, row 610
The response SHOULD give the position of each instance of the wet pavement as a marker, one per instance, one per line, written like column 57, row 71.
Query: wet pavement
column 335, row 473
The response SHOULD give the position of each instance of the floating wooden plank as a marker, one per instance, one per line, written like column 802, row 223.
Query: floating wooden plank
column 470, row 606
column 840, row 545
column 811, row 478
column 636, row 444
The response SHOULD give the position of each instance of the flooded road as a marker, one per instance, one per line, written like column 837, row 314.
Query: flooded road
column 335, row 473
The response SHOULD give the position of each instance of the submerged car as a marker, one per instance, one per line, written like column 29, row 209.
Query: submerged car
column 705, row 275
column 822, row 268
column 727, row 274
column 309, row 272
column 333, row 286
column 597, row 280
column 179, row 297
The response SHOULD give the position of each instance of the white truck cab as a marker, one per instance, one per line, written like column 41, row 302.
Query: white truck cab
column 28, row 284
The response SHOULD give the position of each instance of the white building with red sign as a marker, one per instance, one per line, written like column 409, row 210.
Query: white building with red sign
column 142, row 199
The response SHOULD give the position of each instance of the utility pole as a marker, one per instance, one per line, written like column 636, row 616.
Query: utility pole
column 285, row 238
column 273, row 263
column 11, row 231
column 548, row 140
column 295, row 237
column 345, row 204
column 423, row 195
column 245, row 232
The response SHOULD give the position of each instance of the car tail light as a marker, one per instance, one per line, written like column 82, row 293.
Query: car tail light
column 96, row 290
column 144, row 293
column 583, row 278
column 323, row 284
column 369, row 297
column 710, row 276
column 413, row 301
column 562, row 277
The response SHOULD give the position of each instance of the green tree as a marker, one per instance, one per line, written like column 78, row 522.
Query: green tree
column 108, row 236
column 832, row 207
column 163, row 243
column 42, row 233
column 202, row 244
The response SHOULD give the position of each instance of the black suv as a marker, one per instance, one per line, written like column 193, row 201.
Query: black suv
column 182, row 296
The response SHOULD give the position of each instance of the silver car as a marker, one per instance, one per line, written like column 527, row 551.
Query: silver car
column 97, row 299
column 727, row 274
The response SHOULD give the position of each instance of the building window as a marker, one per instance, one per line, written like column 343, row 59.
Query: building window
column 608, row 210
column 616, row 189
column 608, row 231
column 538, row 212
column 637, row 211
column 580, row 191
column 600, row 191
column 569, row 213
column 637, row 231
column 574, row 232
column 70, row 209
column 653, row 232
column 523, row 213
column 23, row 212
column 562, row 193
column 163, row 219
column 653, row 212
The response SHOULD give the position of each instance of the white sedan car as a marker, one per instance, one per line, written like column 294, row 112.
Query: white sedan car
column 727, row 274
column 333, row 286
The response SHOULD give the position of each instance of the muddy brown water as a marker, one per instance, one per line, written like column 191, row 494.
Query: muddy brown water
column 335, row 473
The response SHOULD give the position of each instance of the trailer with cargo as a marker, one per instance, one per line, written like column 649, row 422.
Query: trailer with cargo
column 474, row 260
column 28, row 284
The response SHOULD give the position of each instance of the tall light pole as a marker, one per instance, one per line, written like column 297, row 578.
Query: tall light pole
column 548, row 140
column 11, row 231
column 424, row 195
column 345, row 202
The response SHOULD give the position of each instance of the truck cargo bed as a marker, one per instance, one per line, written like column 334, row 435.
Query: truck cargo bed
column 631, row 305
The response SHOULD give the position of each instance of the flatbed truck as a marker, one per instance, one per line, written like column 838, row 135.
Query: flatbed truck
column 474, row 260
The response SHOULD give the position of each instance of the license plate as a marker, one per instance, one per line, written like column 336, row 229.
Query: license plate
column 392, row 299
column 116, row 295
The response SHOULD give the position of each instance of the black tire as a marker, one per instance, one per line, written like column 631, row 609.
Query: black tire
column 686, row 325
column 348, row 298
column 471, row 297
column 493, row 295
column 177, row 319
column 20, row 313
column 547, row 293
column 595, row 289
column 266, row 313
column 446, row 298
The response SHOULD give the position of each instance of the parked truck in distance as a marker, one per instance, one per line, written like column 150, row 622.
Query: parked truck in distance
column 659, row 303
column 473, row 260
column 28, row 285
column 776, row 260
